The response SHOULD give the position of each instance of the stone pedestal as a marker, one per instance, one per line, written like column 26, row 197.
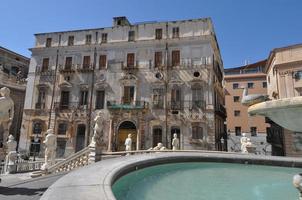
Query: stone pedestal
column 10, row 162
column 95, row 154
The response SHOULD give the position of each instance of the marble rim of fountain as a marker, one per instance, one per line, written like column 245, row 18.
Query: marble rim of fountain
column 94, row 181
column 286, row 112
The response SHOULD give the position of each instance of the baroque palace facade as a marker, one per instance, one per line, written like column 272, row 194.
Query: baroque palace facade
column 149, row 79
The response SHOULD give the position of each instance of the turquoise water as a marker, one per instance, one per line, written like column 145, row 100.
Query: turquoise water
column 208, row 181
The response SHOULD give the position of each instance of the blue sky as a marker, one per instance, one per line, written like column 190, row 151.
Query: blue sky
column 245, row 29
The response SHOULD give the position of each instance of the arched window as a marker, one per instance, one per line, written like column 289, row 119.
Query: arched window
column 197, row 97
column 157, row 135
column 37, row 127
column 197, row 131
column 62, row 128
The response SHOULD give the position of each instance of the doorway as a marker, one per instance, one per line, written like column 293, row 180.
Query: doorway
column 157, row 136
column 127, row 127
column 177, row 131
column 80, row 139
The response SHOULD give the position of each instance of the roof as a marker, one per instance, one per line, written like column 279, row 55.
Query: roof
column 133, row 24
column 249, row 66
column 275, row 50
column 12, row 52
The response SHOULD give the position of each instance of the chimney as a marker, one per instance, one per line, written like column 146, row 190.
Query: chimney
column 121, row 21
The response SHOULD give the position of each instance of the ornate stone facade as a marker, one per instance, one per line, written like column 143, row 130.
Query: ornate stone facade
column 150, row 80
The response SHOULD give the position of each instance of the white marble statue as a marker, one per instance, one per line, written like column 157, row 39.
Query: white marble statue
column 159, row 147
column 50, row 149
column 6, row 110
column 128, row 143
column 11, row 157
column 175, row 142
column 98, row 130
column 243, row 141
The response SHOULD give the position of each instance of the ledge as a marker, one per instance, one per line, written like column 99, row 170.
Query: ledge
column 94, row 181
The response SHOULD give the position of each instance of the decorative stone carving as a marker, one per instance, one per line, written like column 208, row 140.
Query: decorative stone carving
column 6, row 110
column 175, row 142
column 159, row 147
column 97, row 138
column 246, row 145
column 128, row 143
column 11, row 157
column 50, row 149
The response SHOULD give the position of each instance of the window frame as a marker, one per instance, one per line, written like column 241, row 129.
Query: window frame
column 70, row 41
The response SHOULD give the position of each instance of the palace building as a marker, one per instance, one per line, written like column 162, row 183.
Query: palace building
column 150, row 79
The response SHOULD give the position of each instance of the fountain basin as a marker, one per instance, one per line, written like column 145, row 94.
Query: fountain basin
column 286, row 112
column 95, row 181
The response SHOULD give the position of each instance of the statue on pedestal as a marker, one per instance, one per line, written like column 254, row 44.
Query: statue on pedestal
column 97, row 139
column 50, row 149
column 6, row 110
column 128, row 143
column 175, row 142
column 11, row 157
column 243, row 141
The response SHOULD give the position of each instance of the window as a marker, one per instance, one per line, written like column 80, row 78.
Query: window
column 253, row 131
column 158, row 59
column 64, row 100
column 83, row 98
column 158, row 98
column 197, row 97
column 237, row 113
column 175, row 58
column 250, row 85
column 37, row 128
column 264, row 84
column 130, row 60
column 70, row 40
column 68, row 63
column 88, row 39
column 197, row 132
column 131, row 36
column 103, row 62
column 175, row 32
column 45, row 64
column 175, row 99
column 236, row 98
column 158, row 34
column 237, row 130
column 48, row 42
column 104, row 37
column 41, row 99
column 100, row 99
column 62, row 128
column 128, row 94
column 235, row 85
column 157, row 136
column 86, row 62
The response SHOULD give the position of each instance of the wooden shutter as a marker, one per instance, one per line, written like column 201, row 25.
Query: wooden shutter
column 86, row 62
column 68, row 62
column 130, row 60
column 175, row 58
column 103, row 61
column 158, row 59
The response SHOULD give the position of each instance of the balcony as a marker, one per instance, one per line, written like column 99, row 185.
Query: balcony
column 85, row 68
column 196, row 104
column 220, row 110
column 67, row 69
column 71, row 106
column 114, row 105
column 44, row 72
column 176, row 105
column 128, row 67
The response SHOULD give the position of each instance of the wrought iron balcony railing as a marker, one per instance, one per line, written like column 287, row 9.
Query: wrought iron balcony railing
column 127, row 105
column 220, row 110
column 127, row 66
column 85, row 68
column 70, row 106
column 67, row 68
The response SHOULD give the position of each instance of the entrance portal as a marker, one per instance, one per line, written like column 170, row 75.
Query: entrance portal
column 126, row 128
